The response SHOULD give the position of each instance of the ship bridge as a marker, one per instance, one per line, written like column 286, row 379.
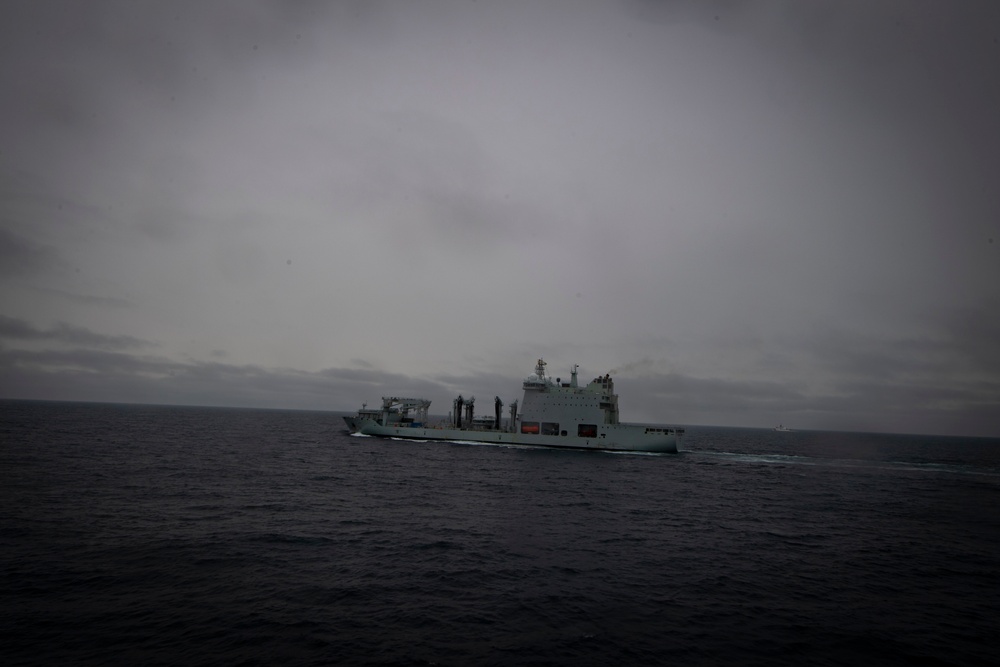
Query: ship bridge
column 553, row 407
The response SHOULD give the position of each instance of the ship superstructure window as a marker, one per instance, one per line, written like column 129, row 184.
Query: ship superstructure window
column 529, row 427
column 586, row 430
column 550, row 428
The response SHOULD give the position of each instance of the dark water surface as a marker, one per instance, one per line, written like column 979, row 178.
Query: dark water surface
column 165, row 535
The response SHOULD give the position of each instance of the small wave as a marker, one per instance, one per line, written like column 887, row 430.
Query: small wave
column 280, row 538
column 943, row 467
column 792, row 459
column 762, row 458
column 437, row 544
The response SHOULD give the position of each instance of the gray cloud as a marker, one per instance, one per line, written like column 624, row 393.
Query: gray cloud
column 20, row 255
column 121, row 377
column 16, row 329
column 86, row 299
column 877, row 405
column 963, row 407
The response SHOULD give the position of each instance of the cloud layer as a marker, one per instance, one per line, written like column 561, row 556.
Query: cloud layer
column 754, row 213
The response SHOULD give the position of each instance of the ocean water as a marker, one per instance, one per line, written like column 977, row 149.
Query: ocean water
column 207, row 536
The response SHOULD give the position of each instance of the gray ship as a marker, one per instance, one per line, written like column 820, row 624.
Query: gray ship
column 553, row 414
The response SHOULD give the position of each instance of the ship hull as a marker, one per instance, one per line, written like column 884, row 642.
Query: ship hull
column 609, row 437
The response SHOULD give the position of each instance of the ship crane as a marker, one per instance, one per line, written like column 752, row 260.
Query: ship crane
column 403, row 406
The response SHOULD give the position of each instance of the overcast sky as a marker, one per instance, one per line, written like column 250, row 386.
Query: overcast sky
column 748, row 212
